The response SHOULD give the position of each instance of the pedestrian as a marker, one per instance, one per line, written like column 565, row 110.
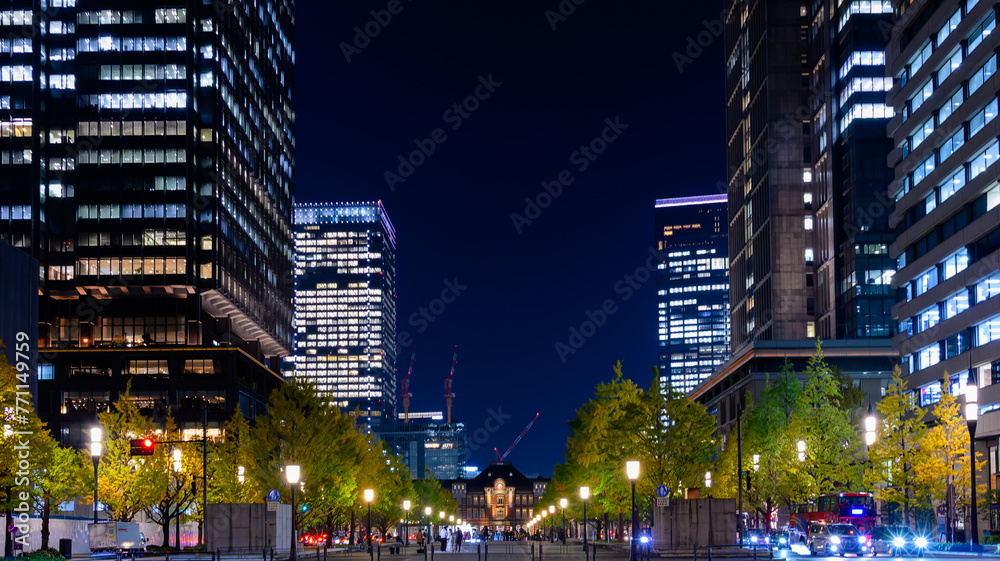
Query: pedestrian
column 444, row 538
column 458, row 540
column 420, row 537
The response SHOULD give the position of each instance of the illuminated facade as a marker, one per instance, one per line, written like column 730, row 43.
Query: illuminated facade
column 499, row 498
column 428, row 446
column 692, row 287
column 807, row 190
column 943, row 56
column 345, row 306
column 147, row 161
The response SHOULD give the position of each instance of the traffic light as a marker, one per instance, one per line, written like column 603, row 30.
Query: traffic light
column 143, row 446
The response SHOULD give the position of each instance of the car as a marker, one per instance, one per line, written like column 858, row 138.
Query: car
column 837, row 539
column 754, row 537
column 897, row 540
column 780, row 540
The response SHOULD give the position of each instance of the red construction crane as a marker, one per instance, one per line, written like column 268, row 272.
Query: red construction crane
column 406, row 386
column 516, row 440
column 447, row 383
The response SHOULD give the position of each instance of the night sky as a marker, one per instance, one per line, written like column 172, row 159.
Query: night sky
column 544, row 93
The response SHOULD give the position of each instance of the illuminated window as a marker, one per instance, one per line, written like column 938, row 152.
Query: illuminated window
column 808, row 223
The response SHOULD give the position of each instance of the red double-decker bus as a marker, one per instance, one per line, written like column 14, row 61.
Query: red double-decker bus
column 843, row 508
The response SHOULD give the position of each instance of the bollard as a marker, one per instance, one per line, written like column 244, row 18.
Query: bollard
column 695, row 551
column 754, row 552
column 431, row 545
column 532, row 552
column 595, row 551
column 709, row 553
column 486, row 551
column 425, row 553
column 479, row 552
column 325, row 546
column 540, row 545
column 168, row 555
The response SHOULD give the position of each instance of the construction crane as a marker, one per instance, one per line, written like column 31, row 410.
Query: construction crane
column 406, row 386
column 516, row 440
column 448, row 395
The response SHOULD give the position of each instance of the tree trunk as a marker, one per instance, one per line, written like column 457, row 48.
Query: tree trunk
column 350, row 539
column 46, row 511
column 165, row 525
column 329, row 529
column 8, row 540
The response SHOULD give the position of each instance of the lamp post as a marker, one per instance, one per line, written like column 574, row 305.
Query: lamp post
column 802, row 450
column 406, row 525
column 632, row 470
column 292, row 473
column 585, row 494
column 708, row 483
column 241, row 475
column 971, row 417
column 178, row 466
column 430, row 524
column 369, row 497
column 95, row 453
column 562, row 505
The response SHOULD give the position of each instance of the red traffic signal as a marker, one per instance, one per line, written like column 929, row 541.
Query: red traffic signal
column 143, row 446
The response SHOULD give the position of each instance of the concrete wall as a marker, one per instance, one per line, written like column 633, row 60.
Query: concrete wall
column 76, row 530
column 686, row 523
column 248, row 527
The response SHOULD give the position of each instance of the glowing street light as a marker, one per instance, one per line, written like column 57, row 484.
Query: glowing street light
column 96, row 436
column 972, row 418
column 632, row 470
column 802, row 450
column 240, row 475
column 584, row 495
column 870, row 426
column 369, row 497
column 406, row 525
column 292, row 473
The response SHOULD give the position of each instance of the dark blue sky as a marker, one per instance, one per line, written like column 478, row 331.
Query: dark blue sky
column 520, row 292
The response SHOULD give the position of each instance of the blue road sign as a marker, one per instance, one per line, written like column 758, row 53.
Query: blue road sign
column 272, row 495
column 661, row 491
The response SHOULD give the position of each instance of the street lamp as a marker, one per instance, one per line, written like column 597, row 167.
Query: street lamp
column 178, row 467
column 756, row 462
column 870, row 424
column 708, row 480
column 632, row 470
column 430, row 523
column 95, row 454
column 292, row 473
column 585, row 494
column 240, row 475
column 406, row 525
column 562, row 505
column 972, row 417
column 369, row 497
column 802, row 450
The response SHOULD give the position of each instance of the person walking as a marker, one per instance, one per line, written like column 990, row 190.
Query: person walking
column 420, row 537
column 444, row 538
column 458, row 541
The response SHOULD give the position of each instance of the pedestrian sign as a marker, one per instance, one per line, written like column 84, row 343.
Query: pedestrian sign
column 272, row 495
column 662, row 491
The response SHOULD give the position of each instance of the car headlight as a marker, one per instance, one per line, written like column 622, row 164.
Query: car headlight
column 753, row 539
column 767, row 539
column 782, row 540
column 921, row 542
column 898, row 541
column 644, row 539
column 835, row 539
column 861, row 539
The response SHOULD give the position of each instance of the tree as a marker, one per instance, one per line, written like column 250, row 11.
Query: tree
column 943, row 458
column 61, row 480
column 832, row 440
column 23, row 445
column 900, row 430
column 127, row 485
column 176, row 490
column 226, row 456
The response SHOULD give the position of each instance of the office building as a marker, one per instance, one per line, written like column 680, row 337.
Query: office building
column 430, row 447
column 19, row 320
column 808, row 231
column 146, row 162
column 345, row 307
column 692, row 287
column 943, row 57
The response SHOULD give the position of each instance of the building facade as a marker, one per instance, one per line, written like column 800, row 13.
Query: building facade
column 345, row 307
column 430, row 447
column 808, row 229
column 500, row 498
column 943, row 57
column 19, row 302
column 692, row 287
column 146, row 161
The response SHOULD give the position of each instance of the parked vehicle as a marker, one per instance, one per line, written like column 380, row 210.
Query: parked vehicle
column 837, row 539
column 857, row 509
column 897, row 540
column 116, row 537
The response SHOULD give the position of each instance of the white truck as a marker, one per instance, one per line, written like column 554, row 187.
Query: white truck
column 116, row 537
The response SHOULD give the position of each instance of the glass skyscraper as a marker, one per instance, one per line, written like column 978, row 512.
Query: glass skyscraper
column 345, row 306
column 146, row 162
column 692, row 287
